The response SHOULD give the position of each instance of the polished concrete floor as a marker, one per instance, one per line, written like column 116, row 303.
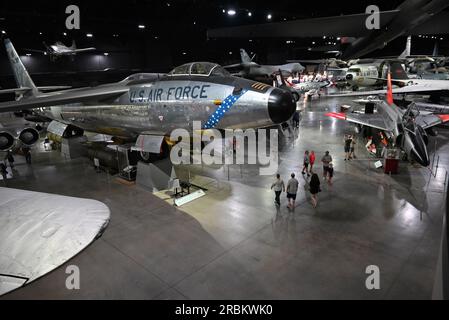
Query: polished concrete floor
column 234, row 243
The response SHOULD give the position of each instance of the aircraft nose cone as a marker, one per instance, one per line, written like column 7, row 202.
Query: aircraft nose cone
column 281, row 105
column 349, row 76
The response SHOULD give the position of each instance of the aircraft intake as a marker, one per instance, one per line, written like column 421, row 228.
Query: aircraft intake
column 6, row 140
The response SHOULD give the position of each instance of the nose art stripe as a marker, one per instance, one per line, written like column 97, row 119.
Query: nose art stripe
column 222, row 109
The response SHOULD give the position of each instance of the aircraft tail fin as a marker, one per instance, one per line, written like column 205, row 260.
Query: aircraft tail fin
column 245, row 57
column 21, row 75
column 435, row 49
column 408, row 47
column 389, row 89
column 397, row 71
column 73, row 46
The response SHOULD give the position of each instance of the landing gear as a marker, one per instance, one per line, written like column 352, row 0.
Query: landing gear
column 149, row 157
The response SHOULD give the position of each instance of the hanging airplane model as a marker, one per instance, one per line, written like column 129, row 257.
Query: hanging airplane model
column 59, row 49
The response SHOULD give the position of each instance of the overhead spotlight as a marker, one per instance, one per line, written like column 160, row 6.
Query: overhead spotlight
column 168, row 4
column 310, row 49
column 231, row 12
column 250, row 40
column 115, row 35
column 194, row 22
column 141, row 26
column 40, row 33
column 156, row 37
column 45, row 53
column 106, row 53
column 3, row 32
column 441, row 38
column 269, row 16
column 224, row 11
column 324, row 37
column 250, row 14
column 28, row 54
column 184, row 53
column 89, row 35
column 64, row 33
column 313, row 42
column 230, row 52
column 338, row 38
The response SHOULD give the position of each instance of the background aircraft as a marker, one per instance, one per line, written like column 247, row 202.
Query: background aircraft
column 59, row 49
column 405, row 129
column 253, row 70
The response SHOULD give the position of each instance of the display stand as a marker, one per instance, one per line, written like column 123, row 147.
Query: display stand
column 391, row 161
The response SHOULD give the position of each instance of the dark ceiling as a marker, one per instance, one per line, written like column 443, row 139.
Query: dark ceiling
column 175, row 32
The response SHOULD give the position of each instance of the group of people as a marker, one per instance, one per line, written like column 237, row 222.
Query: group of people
column 3, row 167
column 313, row 185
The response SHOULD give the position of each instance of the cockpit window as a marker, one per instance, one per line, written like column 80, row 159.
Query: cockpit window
column 199, row 69
column 219, row 71
column 181, row 70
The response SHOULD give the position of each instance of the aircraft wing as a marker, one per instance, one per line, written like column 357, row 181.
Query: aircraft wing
column 435, row 25
column 25, row 89
column 412, row 89
column 370, row 120
column 35, row 50
column 431, row 120
column 40, row 231
column 53, row 88
column 15, row 90
column 236, row 65
column 64, row 97
column 348, row 25
column 83, row 50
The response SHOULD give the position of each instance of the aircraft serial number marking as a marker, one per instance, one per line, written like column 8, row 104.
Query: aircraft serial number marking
column 171, row 93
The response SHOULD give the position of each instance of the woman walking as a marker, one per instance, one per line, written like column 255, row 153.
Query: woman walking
column 314, row 188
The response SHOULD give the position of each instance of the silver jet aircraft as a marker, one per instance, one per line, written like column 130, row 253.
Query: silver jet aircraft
column 405, row 128
column 253, row 70
column 149, row 107
column 59, row 49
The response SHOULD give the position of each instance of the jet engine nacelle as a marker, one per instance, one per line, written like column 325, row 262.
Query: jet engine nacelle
column 9, row 137
column 6, row 140
column 29, row 136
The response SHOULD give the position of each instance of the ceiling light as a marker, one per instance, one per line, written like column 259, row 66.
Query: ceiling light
column 64, row 33
column 230, row 52
column 106, row 53
column 249, row 14
column 269, row 16
column 40, row 33
column 184, row 53
column 141, row 26
column 89, row 35
column 231, row 12
column 3, row 31
column 28, row 54
column 338, row 38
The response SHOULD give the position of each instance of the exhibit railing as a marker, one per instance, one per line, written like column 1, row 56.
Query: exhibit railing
column 441, row 285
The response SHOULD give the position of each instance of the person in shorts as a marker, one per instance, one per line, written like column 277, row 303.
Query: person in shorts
column 292, row 190
column 326, row 159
